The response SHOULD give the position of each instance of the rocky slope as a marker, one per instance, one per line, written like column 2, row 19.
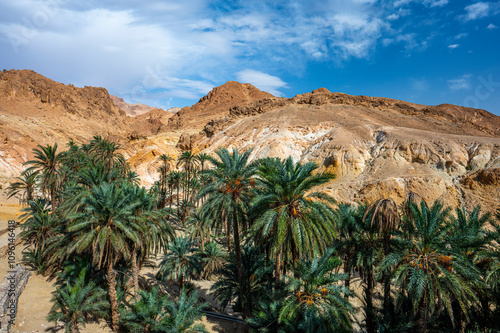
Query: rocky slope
column 36, row 110
column 377, row 147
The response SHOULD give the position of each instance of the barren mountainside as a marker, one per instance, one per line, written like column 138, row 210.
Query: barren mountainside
column 377, row 147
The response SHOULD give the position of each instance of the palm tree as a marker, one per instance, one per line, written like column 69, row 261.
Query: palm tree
column 24, row 187
column 213, row 258
column 153, row 230
column 187, row 160
column 428, row 272
column 198, row 227
column 471, row 238
column 155, row 313
column 316, row 302
column 163, row 170
column 180, row 261
column 175, row 178
column 74, row 304
column 106, row 227
column 347, row 220
column 202, row 158
column 47, row 162
column 287, row 214
column 228, row 196
column 385, row 219
column 257, row 281
column 39, row 224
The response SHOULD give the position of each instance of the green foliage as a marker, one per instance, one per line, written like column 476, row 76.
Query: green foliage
column 257, row 281
column 181, row 261
column 316, row 301
column 289, row 217
column 154, row 312
column 77, row 301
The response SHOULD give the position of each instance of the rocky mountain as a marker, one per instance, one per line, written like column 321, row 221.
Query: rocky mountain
column 377, row 147
column 131, row 110
column 36, row 110
column 137, row 109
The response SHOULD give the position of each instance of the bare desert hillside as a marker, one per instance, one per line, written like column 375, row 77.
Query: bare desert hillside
column 377, row 147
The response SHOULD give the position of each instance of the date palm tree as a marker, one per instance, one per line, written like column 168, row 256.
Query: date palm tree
column 188, row 161
column 288, row 213
column 257, row 281
column 39, row 224
column 163, row 170
column 75, row 302
column 316, row 302
column 155, row 313
column 347, row 221
column 472, row 235
column 47, row 162
column 24, row 186
column 427, row 272
column 106, row 227
column 213, row 258
column 229, row 195
column 385, row 219
column 181, row 261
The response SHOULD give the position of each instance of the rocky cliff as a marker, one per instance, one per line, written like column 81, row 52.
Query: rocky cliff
column 377, row 147
column 36, row 110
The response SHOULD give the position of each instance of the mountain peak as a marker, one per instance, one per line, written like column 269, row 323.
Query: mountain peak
column 217, row 103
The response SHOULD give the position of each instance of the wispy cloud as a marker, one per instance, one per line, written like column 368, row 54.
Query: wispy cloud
column 476, row 11
column 261, row 80
column 491, row 26
column 461, row 83
column 453, row 46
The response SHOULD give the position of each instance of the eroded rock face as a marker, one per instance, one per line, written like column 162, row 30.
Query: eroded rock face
column 377, row 147
column 36, row 110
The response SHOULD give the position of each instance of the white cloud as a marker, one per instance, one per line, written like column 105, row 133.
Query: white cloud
column 393, row 17
column 461, row 35
column 491, row 26
column 420, row 84
column 261, row 80
column 460, row 83
column 476, row 11
column 453, row 46
column 436, row 3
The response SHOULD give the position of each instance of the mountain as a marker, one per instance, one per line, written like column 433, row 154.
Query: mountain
column 377, row 147
column 216, row 104
column 36, row 110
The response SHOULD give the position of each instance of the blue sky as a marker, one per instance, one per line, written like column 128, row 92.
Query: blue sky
column 171, row 53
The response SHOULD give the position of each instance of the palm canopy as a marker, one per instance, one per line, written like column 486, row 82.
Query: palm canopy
column 427, row 270
column 105, row 224
column 288, row 214
column 47, row 161
column 228, row 197
column 24, row 186
column 316, row 301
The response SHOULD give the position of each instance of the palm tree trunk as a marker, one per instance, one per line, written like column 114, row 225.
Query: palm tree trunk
column 421, row 320
column 347, row 270
column 113, row 300
column 228, row 234
column 387, row 282
column 370, row 315
column 135, row 273
column 278, row 266
column 53, row 198
column 73, row 328
column 237, row 250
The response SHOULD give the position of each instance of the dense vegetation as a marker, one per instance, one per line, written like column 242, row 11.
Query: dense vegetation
column 284, row 255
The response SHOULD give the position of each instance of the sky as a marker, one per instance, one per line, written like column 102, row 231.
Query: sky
column 167, row 53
